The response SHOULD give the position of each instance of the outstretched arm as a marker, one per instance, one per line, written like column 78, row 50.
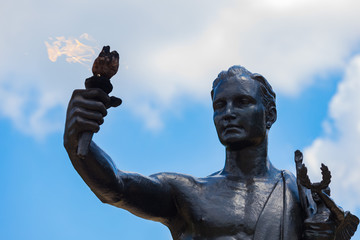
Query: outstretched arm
column 147, row 197
column 144, row 196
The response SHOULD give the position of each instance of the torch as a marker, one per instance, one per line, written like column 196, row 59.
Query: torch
column 105, row 66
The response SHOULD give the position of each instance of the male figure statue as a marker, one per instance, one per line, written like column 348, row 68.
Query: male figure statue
column 248, row 199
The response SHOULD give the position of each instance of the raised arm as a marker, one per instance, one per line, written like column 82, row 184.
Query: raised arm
column 147, row 197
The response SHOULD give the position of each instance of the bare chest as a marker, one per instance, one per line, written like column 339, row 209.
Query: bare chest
column 224, row 208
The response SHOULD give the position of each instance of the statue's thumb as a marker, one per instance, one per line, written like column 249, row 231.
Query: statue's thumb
column 115, row 101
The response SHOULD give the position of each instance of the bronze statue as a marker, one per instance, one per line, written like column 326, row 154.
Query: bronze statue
column 248, row 199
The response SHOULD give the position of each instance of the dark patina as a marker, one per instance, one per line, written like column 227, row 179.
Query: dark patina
column 248, row 199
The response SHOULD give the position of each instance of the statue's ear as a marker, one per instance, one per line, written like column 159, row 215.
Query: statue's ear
column 271, row 115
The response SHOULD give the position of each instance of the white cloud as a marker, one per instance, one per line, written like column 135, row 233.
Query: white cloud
column 29, row 105
column 289, row 43
column 151, row 114
column 170, row 50
column 339, row 148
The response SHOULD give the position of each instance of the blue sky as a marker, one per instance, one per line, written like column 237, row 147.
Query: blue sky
column 170, row 53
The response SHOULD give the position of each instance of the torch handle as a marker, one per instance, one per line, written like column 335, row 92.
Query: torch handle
column 84, row 143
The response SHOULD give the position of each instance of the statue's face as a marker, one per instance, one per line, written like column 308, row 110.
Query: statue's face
column 239, row 113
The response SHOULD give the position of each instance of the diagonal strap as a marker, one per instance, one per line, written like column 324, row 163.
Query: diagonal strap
column 269, row 224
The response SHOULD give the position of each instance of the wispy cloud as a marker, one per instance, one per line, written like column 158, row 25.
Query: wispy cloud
column 31, row 95
column 288, row 42
column 339, row 147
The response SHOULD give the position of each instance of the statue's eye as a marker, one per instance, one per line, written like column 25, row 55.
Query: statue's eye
column 218, row 104
column 242, row 101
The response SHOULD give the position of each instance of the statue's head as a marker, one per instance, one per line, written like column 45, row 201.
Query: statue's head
column 244, row 107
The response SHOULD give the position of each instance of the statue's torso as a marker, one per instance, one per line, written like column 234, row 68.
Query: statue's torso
column 218, row 207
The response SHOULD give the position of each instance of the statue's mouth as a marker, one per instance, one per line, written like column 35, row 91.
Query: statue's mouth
column 233, row 129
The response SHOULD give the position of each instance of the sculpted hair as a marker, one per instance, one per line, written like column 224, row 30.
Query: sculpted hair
column 268, row 95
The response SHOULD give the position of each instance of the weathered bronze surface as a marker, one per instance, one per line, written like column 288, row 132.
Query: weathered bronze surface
column 248, row 199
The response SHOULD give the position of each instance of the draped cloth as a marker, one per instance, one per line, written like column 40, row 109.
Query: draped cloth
column 281, row 217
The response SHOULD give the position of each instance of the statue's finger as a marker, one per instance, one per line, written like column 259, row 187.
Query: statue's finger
column 115, row 101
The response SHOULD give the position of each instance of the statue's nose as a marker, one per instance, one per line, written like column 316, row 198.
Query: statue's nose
column 229, row 112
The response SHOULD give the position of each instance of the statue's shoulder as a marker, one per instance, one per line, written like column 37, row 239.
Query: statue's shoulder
column 176, row 178
column 184, row 182
column 289, row 178
column 290, row 184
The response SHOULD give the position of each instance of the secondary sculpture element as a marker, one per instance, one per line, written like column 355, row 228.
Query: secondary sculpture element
column 324, row 210
column 248, row 199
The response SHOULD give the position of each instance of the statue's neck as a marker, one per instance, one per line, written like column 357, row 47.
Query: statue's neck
column 247, row 162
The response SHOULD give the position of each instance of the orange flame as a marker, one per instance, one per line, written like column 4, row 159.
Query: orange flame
column 74, row 50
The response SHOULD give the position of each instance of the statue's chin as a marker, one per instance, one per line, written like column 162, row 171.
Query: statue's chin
column 239, row 143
